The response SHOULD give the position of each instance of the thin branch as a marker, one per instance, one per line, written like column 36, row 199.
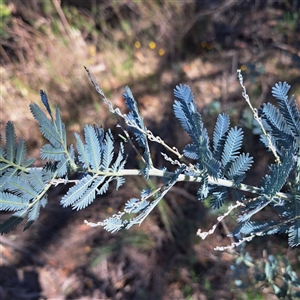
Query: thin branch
column 161, row 173
column 256, row 117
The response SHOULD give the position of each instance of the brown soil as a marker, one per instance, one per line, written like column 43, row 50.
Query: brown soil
column 60, row 257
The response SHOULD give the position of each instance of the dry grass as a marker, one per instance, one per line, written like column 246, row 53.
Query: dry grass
column 116, row 43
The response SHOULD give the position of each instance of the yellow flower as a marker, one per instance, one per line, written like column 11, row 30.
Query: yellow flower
column 137, row 44
column 161, row 52
column 243, row 67
column 152, row 45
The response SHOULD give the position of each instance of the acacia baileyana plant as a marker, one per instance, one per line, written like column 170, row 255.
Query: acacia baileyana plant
column 218, row 166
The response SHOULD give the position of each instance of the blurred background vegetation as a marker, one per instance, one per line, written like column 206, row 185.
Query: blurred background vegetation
column 150, row 46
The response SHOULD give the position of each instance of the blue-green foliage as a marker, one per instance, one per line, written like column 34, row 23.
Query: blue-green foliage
column 274, row 272
column 219, row 136
column 24, row 194
column 54, row 131
column 141, row 207
column 140, row 129
column 226, row 144
column 186, row 112
column 97, row 162
column 18, row 188
column 225, row 161
column 96, row 159
column 283, row 122
column 282, row 125
column 24, row 190
column 13, row 156
column 287, row 107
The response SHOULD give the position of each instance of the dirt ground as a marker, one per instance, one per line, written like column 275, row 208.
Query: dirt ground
column 60, row 257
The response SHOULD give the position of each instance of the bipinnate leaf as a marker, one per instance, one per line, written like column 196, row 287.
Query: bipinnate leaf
column 92, row 147
column 219, row 136
column 218, row 198
column 13, row 221
column 288, row 107
column 294, row 230
column 11, row 202
column 11, row 142
column 45, row 101
column 232, row 146
column 141, row 207
column 47, row 127
column 113, row 224
column 96, row 157
column 140, row 136
column 278, row 173
column 54, row 131
column 281, row 132
column 240, row 165
column 186, row 112
column 13, row 158
column 25, row 195
column 97, row 163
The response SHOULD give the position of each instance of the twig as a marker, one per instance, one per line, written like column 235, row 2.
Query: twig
column 202, row 13
column 62, row 17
